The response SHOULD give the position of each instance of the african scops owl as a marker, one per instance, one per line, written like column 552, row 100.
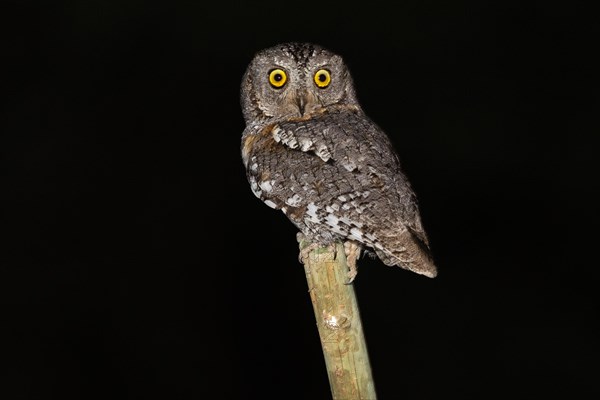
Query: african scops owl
column 311, row 152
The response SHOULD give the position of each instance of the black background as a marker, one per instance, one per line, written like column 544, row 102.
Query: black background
column 136, row 263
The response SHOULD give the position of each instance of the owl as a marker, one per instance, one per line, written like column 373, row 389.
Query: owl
column 311, row 152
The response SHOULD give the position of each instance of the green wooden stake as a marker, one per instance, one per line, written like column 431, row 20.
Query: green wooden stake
column 339, row 324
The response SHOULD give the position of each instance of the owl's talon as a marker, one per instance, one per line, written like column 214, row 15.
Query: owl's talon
column 351, row 275
column 352, row 251
column 305, row 251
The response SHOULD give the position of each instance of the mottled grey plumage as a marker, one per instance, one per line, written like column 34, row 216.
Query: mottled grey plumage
column 312, row 153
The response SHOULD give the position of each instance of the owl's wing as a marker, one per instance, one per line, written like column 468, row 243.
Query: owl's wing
column 348, row 138
column 338, row 174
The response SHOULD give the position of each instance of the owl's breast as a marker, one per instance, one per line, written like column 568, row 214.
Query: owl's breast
column 283, row 178
column 256, row 140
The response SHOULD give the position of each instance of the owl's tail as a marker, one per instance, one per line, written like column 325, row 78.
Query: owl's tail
column 409, row 252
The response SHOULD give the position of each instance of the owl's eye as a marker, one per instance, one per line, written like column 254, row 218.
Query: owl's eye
column 277, row 78
column 322, row 78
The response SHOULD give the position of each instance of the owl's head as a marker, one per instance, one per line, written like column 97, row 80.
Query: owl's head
column 294, row 80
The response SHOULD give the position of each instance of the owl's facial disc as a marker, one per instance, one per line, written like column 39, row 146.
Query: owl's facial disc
column 295, row 81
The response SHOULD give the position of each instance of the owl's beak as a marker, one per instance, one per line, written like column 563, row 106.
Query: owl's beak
column 301, row 102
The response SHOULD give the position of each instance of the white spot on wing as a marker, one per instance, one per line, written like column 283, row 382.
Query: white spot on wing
column 340, row 231
column 292, row 142
column 323, row 152
column 285, row 137
column 311, row 211
column 332, row 220
column 267, row 186
column 350, row 222
column 254, row 187
column 356, row 234
column 305, row 143
column 350, row 166
column 276, row 136
column 270, row 204
column 294, row 201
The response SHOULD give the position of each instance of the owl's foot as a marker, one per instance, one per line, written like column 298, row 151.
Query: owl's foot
column 352, row 251
column 305, row 251
column 306, row 247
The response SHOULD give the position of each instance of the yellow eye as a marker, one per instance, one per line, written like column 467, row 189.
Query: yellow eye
column 277, row 78
column 322, row 78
